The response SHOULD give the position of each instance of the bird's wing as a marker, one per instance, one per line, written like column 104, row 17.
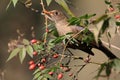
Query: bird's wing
column 75, row 28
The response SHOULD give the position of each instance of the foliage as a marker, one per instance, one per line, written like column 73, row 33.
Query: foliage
column 50, row 59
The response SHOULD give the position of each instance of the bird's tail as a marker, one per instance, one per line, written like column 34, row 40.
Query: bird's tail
column 106, row 51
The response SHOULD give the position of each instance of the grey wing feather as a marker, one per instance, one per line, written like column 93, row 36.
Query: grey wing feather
column 76, row 29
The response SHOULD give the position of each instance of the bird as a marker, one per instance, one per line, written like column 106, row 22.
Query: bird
column 63, row 27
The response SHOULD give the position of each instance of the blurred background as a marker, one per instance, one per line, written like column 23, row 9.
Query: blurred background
column 23, row 18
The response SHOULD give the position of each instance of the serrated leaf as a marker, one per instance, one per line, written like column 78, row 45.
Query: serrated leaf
column 48, row 2
column 22, row 54
column 26, row 42
column 13, row 53
column 29, row 50
column 14, row 2
column 65, row 6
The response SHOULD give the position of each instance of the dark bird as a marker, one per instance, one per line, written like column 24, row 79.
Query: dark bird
column 63, row 27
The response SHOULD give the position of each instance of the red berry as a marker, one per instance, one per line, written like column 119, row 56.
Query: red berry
column 42, row 67
column 66, row 69
column 31, row 62
column 33, row 41
column 111, row 9
column 32, row 66
column 60, row 76
column 70, row 74
column 117, row 16
column 35, row 53
column 47, row 30
column 55, row 56
column 43, row 60
column 39, row 64
column 50, row 73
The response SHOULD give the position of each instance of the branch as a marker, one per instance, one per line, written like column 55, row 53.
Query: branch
column 46, row 22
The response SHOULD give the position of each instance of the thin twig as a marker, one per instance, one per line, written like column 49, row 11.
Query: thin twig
column 46, row 22
column 76, row 75
column 68, row 43
column 43, row 7
column 113, row 46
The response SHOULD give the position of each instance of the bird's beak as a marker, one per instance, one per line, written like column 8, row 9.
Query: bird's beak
column 48, row 14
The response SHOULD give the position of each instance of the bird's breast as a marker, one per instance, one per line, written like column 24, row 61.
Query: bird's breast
column 63, row 29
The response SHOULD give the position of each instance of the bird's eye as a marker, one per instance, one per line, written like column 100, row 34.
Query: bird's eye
column 56, row 13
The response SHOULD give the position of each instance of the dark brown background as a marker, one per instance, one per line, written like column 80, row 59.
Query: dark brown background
column 23, row 18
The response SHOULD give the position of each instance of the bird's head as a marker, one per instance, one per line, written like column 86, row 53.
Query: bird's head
column 55, row 15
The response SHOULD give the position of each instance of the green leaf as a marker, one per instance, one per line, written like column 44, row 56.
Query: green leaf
column 101, row 18
column 108, row 68
column 58, row 40
column 117, row 64
column 109, row 35
column 48, row 2
column 8, row 5
column 87, row 16
column 50, row 44
column 102, row 67
column 44, row 71
column 29, row 50
column 107, row 2
column 37, row 75
column 37, row 70
column 41, row 47
column 54, row 32
column 36, row 47
column 14, row 2
column 40, row 78
column 74, row 21
column 105, row 25
column 22, row 54
column 65, row 6
column 54, row 69
column 26, row 42
column 118, row 23
column 48, row 76
column 13, row 53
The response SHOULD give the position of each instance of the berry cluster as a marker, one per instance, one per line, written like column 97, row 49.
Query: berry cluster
column 41, row 64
